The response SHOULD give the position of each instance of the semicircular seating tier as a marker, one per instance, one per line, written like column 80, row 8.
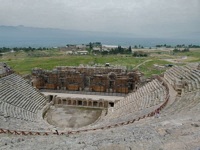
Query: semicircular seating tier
column 137, row 104
column 19, row 100
column 183, row 78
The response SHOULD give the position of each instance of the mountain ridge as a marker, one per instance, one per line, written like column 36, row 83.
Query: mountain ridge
column 47, row 37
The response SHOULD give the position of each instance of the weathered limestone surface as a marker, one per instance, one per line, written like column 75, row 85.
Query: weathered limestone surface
column 176, row 127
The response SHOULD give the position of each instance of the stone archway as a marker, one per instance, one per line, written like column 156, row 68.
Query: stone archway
column 100, row 104
column 74, row 102
column 59, row 101
column 90, row 103
column 69, row 102
column 64, row 102
column 85, row 103
column 80, row 103
column 95, row 104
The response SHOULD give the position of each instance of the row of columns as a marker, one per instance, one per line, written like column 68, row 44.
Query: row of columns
column 83, row 102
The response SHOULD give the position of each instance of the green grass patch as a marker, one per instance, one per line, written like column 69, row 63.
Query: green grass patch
column 148, row 68
column 23, row 62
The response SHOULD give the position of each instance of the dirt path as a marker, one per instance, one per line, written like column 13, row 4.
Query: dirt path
column 143, row 63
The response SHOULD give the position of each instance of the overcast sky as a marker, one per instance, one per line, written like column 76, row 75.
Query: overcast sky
column 150, row 18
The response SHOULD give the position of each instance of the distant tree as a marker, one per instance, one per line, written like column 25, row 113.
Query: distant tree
column 158, row 45
column 135, row 47
column 129, row 49
column 104, row 53
column 185, row 50
column 168, row 46
column 176, row 50
column 90, row 45
column 119, row 47
column 193, row 46
column 140, row 54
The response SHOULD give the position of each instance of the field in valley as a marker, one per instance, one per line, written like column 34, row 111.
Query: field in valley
column 22, row 62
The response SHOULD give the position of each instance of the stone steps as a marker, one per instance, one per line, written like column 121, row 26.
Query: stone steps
column 18, row 99
column 183, row 78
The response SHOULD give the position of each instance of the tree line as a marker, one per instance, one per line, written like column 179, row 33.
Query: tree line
column 176, row 50
column 118, row 50
column 16, row 49
column 178, row 46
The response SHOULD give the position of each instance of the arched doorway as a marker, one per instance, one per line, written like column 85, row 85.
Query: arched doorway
column 69, row 102
column 64, row 101
column 84, row 103
column 100, row 104
column 59, row 101
column 90, row 103
column 74, row 102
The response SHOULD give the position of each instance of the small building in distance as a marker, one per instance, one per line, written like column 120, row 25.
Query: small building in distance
column 82, row 52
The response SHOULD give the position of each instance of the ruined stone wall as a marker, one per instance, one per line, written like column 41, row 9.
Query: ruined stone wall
column 5, row 69
column 82, row 102
column 88, row 79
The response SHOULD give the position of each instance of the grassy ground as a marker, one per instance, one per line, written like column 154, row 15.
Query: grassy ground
column 23, row 62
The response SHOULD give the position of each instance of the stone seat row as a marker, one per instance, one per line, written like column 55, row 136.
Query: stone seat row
column 129, row 116
column 111, row 120
column 139, row 100
column 17, row 79
column 14, row 123
column 25, row 89
column 139, row 96
column 16, row 112
column 140, row 104
column 189, row 76
column 20, row 84
column 185, row 103
column 184, row 79
column 37, row 99
column 145, row 100
column 16, row 98
column 151, row 88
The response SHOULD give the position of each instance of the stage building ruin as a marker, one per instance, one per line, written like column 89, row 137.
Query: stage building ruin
column 92, row 79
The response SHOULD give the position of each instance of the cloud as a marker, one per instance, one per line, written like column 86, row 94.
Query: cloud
column 141, row 17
